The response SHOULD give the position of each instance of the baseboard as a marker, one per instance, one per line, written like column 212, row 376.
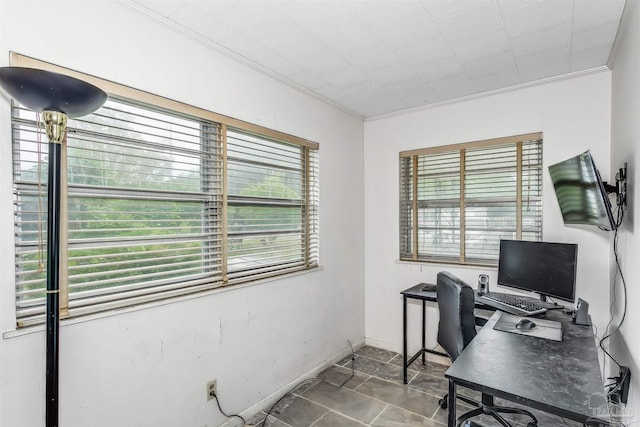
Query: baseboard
column 268, row 401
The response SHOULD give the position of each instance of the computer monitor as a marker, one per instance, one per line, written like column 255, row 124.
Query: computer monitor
column 548, row 269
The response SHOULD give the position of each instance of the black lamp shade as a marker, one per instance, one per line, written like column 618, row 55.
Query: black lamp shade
column 41, row 90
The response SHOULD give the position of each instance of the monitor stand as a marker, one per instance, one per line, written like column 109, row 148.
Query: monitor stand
column 550, row 305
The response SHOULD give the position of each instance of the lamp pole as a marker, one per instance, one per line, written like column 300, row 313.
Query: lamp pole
column 58, row 97
column 55, row 125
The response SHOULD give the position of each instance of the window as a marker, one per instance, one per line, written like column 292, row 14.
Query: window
column 271, row 215
column 457, row 202
column 160, row 204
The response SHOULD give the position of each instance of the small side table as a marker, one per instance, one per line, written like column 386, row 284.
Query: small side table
column 416, row 292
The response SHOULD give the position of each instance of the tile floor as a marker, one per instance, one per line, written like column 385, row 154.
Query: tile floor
column 376, row 397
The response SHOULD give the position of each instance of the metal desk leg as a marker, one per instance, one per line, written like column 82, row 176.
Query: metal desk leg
column 424, row 321
column 451, row 405
column 404, row 339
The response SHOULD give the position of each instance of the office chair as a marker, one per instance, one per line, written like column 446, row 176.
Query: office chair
column 456, row 329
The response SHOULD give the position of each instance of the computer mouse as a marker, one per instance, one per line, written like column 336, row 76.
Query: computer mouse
column 525, row 324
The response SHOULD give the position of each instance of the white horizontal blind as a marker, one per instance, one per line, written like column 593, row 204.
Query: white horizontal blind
column 438, row 191
column 144, row 201
column 30, row 208
column 491, row 198
column 272, row 199
column 468, row 199
column 531, row 190
column 406, row 237
column 312, row 214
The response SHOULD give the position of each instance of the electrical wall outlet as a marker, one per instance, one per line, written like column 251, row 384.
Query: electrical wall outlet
column 212, row 389
column 625, row 378
column 621, row 386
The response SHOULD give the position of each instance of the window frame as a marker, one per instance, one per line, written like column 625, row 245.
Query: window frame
column 409, row 200
column 117, row 91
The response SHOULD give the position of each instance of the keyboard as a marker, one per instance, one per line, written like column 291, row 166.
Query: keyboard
column 513, row 304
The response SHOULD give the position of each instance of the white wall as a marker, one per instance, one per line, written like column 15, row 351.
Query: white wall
column 625, row 137
column 150, row 366
column 574, row 115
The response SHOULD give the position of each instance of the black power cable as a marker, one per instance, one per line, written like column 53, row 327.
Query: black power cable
column 624, row 286
column 618, row 382
column 244, row 422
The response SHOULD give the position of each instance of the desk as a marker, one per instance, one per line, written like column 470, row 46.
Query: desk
column 416, row 292
column 562, row 378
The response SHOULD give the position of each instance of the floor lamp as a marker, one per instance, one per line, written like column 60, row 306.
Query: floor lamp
column 57, row 96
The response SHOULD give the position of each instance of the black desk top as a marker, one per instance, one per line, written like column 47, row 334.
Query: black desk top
column 562, row 378
column 417, row 292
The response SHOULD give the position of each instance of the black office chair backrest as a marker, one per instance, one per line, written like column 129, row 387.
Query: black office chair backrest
column 457, row 325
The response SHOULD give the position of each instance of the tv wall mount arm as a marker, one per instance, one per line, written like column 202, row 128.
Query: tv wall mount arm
column 620, row 189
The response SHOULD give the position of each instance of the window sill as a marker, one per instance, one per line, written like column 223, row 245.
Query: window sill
column 444, row 263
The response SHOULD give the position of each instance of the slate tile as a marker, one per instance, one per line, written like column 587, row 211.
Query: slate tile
column 437, row 386
column 377, row 353
column 382, row 370
column 397, row 417
column 429, row 367
column 345, row 401
column 399, row 395
column 338, row 375
column 297, row 411
column 333, row 419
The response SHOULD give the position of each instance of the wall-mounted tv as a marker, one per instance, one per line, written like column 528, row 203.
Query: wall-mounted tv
column 581, row 193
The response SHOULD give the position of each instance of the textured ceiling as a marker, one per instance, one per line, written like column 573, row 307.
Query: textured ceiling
column 372, row 57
